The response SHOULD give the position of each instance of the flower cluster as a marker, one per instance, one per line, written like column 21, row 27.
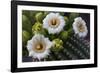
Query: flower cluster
column 50, row 31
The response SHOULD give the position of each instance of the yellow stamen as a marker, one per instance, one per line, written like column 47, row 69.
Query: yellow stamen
column 81, row 28
column 54, row 22
column 39, row 48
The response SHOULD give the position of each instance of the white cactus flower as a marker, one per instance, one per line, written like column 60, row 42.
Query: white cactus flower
column 54, row 23
column 39, row 46
column 79, row 27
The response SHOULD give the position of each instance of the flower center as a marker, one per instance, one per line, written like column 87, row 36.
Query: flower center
column 54, row 22
column 81, row 28
column 39, row 48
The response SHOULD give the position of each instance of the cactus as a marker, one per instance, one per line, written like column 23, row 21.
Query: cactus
column 68, row 45
column 75, row 48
